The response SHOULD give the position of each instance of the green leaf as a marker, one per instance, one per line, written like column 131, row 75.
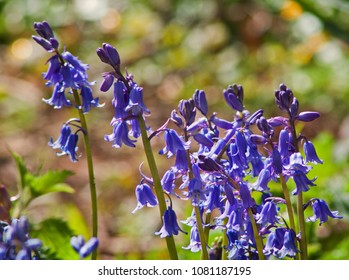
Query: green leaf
column 22, row 168
column 51, row 181
column 55, row 235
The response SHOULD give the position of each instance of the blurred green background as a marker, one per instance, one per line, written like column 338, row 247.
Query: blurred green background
column 173, row 48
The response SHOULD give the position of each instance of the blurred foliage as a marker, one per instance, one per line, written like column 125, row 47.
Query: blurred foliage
column 173, row 48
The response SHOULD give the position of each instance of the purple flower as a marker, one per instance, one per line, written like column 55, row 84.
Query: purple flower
column 310, row 153
column 173, row 143
column 70, row 147
column 233, row 95
column 108, row 80
column 246, row 197
column 263, row 179
column 284, row 98
column 289, row 247
column 214, row 199
column 322, row 211
column 62, row 139
column 87, row 99
column 144, row 196
column 284, row 143
column 307, row 116
column 15, row 242
column 46, row 37
column 136, row 105
column 168, row 180
column 58, row 98
column 268, row 214
column 236, row 219
column 170, row 226
column 200, row 101
column 187, row 110
column 195, row 243
column 84, row 248
column 108, row 54
column 120, row 136
column 196, row 187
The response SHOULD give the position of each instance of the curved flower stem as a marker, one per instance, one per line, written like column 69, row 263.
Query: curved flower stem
column 258, row 238
column 93, row 192
column 171, row 246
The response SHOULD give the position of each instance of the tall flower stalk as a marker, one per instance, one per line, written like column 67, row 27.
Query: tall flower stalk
column 68, row 77
column 129, row 119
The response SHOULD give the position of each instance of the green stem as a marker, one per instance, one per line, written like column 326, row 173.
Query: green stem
column 171, row 246
column 225, row 241
column 300, row 210
column 202, row 235
column 93, row 192
column 258, row 238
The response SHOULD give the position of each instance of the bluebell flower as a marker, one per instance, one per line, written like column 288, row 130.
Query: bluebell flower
column 170, row 226
column 53, row 74
column 108, row 80
column 195, row 243
column 46, row 37
column 181, row 162
column 268, row 214
column 70, row 147
column 108, row 54
column 298, row 170
column 236, row 219
column 263, row 179
column 84, row 248
column 245, row 195
column 277, row 161
column 188, row 110
column 62, row 139
column 119, row 102
column 310, row 153
column 214, row 199
column 284, row 143
column 284, row 98
column 87, row 99
column 58, row 98
column 15, row 242
column 200, row 101
column 120, row 136
column 74, row 76
column 294, row 109
column 289, row 247
column 196, row 187
column 144, row 196
column 173, row 143
column 322, row 211
column 136, row 105
column 265, row 127
column 168, row 180
column 302, row 182
column 274, row 242
column 233, row 96
column 308, row 116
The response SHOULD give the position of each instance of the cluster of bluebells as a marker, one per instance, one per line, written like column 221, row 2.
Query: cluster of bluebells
column 223, row 166
column 15, row 242
column 67, row 75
